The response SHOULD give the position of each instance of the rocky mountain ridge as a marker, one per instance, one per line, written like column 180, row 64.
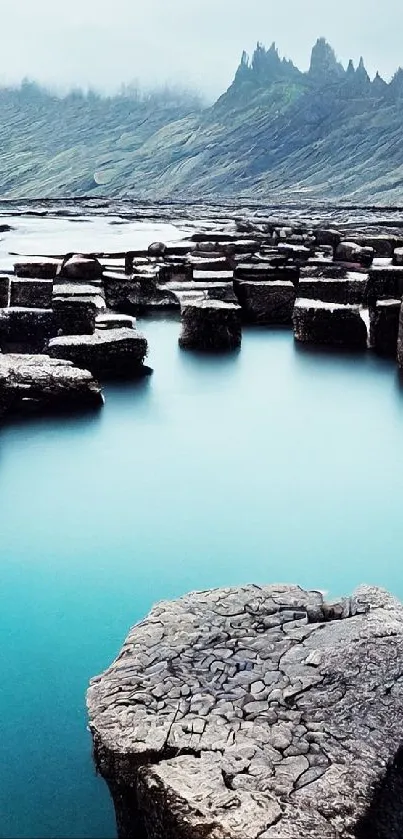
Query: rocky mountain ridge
column 277, row 133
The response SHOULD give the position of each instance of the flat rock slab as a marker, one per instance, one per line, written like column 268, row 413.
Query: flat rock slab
column 31, row 293
column 25, row 329
column 37, row 269
column 252, row 712
column 39, row 379
column 384, row 327
column 112, row 352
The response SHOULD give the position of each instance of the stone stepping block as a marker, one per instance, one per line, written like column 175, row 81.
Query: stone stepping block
column 384, row 327
column 37, row 269
column 334, row 324
column 351, row 290
column 264, row 271
column 267, row 303
column 25, row 329
column 77, row 289
column 115, row 321
column 52, row 383
column 210, row 325
column 385, row 282
column 74, row 315
column 212, row 276
column 108, row 352
column 5, row 283
column 31, row 293
column 206, row 265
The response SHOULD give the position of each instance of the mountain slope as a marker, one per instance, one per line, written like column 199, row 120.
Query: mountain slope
column 277, row 133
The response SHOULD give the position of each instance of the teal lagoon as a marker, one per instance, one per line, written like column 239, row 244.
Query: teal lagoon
column 272, row 464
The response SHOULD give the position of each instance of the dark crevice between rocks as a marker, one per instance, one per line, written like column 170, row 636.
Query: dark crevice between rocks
column 383, row 818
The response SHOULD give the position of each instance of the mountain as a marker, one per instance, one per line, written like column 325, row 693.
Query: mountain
column 330, row 133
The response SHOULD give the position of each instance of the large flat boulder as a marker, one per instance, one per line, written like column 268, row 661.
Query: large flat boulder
column 255, row 713
column 108, row 352
column 38, row 380
column 334, row 324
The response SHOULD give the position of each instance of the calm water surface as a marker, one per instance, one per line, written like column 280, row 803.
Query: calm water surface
column 272, row 464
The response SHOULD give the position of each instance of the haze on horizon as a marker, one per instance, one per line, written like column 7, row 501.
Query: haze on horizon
column 190, row 43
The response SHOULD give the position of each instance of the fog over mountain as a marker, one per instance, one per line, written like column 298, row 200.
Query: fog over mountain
column 195, row 43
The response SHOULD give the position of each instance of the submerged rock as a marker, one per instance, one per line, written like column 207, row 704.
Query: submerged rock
column 253, row 712
column 329, row 323
column 210, row 325
column 108, row 352
column 27, row 380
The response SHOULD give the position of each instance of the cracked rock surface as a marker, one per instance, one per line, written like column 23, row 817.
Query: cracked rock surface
column 251, row 712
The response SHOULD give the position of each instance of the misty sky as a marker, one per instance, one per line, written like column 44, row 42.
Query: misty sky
column 194, row 43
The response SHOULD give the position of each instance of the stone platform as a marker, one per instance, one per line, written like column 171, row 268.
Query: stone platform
column 255, row 713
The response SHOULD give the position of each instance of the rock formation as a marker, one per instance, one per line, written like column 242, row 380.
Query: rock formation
column 329, row 323
column 38, row 380
column 255, row 712
column 210, row 325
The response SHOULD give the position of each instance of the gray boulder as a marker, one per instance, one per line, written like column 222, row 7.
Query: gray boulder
column 329, row 323
column 38, row 380
column 268, row 303
column 79, row 267
column 108, row 352
column 210, row 325
column 255, row 713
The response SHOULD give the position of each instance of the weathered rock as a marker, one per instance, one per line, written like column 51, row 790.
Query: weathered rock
column 266, row 302
column 4, row 290
column 384, row 327
column 79, row 267
column 74, row 315
column 351, row 290
column 351, row 252
column 27, row 380
column 157, row 249
column 25, row 330
column 329, row 323
column 37, row 270
column 137, row 293
column 31, row 293
column 91, row 290
column 112, row 320
column 210, row 325
column 111, row 352
column 398, row 256
column 252, row 712
column 384, row 283
column 207, row 277
column 327, row 237
column 219, row 263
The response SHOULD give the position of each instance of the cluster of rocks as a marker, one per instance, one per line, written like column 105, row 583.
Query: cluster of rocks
column 256, row 712
column 56, row 335
column 336, row 287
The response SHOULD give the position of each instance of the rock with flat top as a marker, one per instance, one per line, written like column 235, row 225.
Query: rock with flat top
column 37, row 269
column 384, row 327
column 333, row 324
column 255, row 713
column 24, row 329
column 28, row 381
column 108, row 352
column 210, row 325
column 267, row 303
column 31, row 293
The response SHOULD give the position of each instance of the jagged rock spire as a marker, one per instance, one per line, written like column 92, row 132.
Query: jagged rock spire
column 324, row 62
column 361, row 73
column 379, row 86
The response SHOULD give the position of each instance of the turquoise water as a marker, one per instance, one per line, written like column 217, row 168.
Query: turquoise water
column 272, row 464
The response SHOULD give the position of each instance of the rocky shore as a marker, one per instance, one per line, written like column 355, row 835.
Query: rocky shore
column 339, row 285
column 256, row 712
